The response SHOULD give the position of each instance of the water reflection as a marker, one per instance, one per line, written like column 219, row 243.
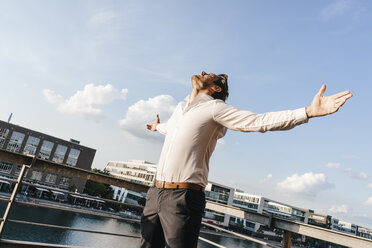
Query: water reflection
column 58, row 217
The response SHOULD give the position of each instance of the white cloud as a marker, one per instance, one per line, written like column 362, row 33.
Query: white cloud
column 370, row 185
column 333, row 165
column 102, row 17
column 368, row 202
column 351, row 156
column 52, row 97
column 144, row 112
column 339, row 209
column 86, row 102
column 356, row 175
column 308, row 184
column 336, row 8
column 267, row 178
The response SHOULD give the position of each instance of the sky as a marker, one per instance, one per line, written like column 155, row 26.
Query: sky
column 98, row 71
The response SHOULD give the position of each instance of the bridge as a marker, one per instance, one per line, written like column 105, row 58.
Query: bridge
column 288, row 226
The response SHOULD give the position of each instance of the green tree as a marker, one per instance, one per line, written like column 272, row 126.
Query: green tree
column 278, row 232
column 72, row 188
column 99, row 189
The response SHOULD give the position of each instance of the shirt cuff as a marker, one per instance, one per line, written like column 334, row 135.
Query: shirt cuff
column 161, row 127
column 301, row 115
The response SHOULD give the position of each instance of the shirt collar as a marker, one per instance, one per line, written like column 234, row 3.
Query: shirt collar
column 201, row 97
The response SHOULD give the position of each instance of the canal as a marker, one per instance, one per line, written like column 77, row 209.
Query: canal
column 57, row 217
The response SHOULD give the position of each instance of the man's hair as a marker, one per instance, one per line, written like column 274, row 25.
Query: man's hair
column 221, row 81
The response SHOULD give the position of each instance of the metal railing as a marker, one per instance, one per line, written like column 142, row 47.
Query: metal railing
column 34, row 163
column 289, row 226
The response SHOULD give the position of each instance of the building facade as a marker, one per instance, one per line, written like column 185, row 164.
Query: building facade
column 221, row 194
column 22, row 140
column 265, row 205
column 364, row 232
column 234, row 197
column 137, row 171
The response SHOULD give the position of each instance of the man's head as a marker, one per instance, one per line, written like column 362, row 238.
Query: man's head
column 212, row 84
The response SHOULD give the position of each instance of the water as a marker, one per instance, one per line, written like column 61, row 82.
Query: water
column 57, row 217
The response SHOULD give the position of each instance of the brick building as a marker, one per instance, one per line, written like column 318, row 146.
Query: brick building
column 18, row 139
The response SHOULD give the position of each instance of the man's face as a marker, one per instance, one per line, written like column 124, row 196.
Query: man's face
column 203, row 80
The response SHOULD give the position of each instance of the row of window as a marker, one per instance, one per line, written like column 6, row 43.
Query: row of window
column 245, row 204
column 35, row 175
column 277, row 207
column 126, row 166
column 32, row 144
column 247, row 198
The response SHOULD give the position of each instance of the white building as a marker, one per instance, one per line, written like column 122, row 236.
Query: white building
column 262, row 204
column 226, row 195
column 344, row 226
column 365, row 232
column 221, row 194
column 138, row 171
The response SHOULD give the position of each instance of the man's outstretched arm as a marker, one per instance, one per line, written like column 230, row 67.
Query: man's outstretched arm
column 325, row 105
column 246, row 121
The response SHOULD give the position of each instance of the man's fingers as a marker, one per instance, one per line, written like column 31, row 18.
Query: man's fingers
column 341, row 94
column 338, row 105
column 343, row 98
column 341, row 101
column 322, row 89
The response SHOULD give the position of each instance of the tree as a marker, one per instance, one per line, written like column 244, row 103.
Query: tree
column 99, row 189
column 72, row 188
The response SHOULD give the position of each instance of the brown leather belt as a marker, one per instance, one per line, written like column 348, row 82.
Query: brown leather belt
column 175, row 185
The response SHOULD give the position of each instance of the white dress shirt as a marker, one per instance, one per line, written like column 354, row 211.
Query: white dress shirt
column 192, row 132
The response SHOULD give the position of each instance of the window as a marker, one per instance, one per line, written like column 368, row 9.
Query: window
column 46, row 149
column 5, row 167
column 31, row 145
column 36, row 175
column 3, row 134
column 18, row 170
column 15, row 141
column 65, row 181
column 51, row 178
column 59, row 154
column 73, row 157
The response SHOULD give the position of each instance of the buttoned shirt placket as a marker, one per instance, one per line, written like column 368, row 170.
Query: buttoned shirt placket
column 184, row 110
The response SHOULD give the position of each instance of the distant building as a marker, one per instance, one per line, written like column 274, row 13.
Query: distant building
column 246, row 202
column 22, row 140
column 344, row 226
column 234, row 197
column 221, row 194
column 364, row 232
column 262, row 204
column 138, row 171
column 321, row 220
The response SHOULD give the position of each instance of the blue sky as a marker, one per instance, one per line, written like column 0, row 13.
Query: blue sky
column 98, row 71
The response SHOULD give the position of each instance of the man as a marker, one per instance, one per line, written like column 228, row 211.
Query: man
column 174, row 207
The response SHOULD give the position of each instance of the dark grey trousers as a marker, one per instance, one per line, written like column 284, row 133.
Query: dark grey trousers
column 172, row 218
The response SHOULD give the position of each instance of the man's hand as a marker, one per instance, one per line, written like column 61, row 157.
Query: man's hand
column 325, row 105
column 153, row 125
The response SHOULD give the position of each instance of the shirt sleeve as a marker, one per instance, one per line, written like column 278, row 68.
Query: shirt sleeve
column 247, row 121
column 162, row 128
